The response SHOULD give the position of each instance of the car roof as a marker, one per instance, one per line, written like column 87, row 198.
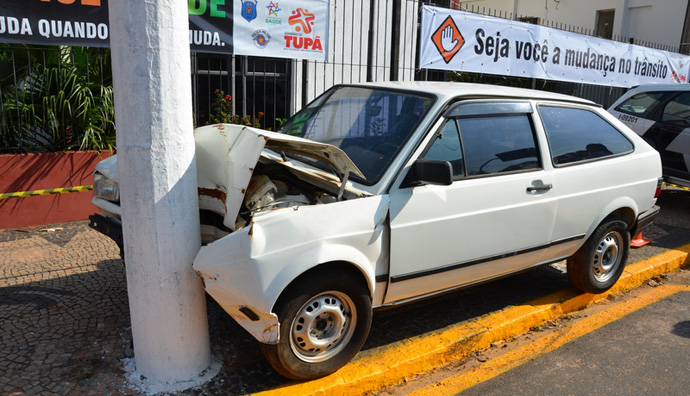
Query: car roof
column 449, row 90
column 661, row 87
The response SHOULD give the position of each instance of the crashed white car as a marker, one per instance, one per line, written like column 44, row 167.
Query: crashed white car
column 379, row 194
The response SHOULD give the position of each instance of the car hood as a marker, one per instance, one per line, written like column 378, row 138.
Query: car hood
column 108, row 168
column 227, row 154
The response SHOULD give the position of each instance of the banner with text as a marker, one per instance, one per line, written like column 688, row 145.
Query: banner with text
column 84, row 22
column 282, row 29
column 462, row 41
column 297, row 29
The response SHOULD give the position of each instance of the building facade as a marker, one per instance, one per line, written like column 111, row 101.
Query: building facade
column 661, row 22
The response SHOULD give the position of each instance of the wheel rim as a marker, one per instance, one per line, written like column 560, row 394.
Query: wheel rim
column 607, row 256
column 323, row 327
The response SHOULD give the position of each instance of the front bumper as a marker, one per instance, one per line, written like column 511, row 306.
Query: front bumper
column 109, row 228
column 237, row 282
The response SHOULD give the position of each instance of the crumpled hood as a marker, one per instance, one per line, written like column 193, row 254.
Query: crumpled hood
column 226, row 155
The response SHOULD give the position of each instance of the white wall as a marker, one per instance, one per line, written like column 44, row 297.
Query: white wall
column 349, row 45
column 657, row 21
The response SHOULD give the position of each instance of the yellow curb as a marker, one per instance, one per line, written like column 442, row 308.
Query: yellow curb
column 417, row 355
column 499, row 365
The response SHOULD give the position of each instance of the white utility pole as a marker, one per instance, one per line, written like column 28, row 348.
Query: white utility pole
column 153, row 111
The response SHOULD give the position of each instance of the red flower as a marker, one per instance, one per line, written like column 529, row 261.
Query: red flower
column 217, row 90
column 249, row 123
column 261, row 114
column 228, row 97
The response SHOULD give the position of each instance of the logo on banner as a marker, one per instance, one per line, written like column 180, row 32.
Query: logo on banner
column 261, row 38
column 273, row 18
column 249, row 9
column 448, row 39
column 303, row 19
column 273, row 9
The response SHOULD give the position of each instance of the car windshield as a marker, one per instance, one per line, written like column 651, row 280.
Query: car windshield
column 369, row 125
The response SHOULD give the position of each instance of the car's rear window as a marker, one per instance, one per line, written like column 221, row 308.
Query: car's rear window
column 577, row 135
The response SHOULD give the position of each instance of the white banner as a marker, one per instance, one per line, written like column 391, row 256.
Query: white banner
column 296, row 29
column 457, row 40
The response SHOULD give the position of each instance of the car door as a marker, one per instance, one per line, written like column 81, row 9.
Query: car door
column 671, row 137
column 592, row 169
column 497, row 215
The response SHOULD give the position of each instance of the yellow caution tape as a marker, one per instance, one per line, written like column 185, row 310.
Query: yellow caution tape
column 45, row 192
column 677, row 186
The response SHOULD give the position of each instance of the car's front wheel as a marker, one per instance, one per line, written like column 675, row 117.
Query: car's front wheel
column 324, row 321
column 599, row 263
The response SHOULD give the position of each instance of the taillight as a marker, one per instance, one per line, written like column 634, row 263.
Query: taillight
column 659, row 183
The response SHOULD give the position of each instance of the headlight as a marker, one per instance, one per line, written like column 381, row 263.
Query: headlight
column 105, row 188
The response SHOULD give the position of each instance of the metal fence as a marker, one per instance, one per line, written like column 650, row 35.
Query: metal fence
column 370, row 41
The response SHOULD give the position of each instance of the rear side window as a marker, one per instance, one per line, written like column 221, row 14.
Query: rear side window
column 642, row 104
column 577, row 135
column 677, row 111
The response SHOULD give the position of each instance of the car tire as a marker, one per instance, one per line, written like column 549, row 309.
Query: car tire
column 324, row 320
column 599, row 263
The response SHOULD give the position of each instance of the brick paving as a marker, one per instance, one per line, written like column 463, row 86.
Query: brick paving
column 64, row 319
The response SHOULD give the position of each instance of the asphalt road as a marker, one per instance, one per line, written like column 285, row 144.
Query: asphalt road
column 644, row 353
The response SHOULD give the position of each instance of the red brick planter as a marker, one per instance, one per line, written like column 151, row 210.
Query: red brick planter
column 24, row 172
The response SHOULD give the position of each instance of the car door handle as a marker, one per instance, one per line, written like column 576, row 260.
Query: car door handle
column 535, row 189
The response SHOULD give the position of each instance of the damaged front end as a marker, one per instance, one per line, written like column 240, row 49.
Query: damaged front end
column 258, row 195
column 243, row 170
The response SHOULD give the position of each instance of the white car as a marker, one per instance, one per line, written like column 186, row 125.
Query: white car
column 660, row 113
column 378, row 194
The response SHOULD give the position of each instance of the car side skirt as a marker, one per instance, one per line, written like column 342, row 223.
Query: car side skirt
column 468, row 284
column 434, row 271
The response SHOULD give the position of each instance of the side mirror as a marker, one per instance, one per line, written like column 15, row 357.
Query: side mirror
column 427, row 171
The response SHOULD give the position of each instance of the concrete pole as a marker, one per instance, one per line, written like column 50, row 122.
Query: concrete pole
column 153, row 111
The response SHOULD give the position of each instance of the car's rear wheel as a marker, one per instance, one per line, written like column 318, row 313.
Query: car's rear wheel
column 599, row 263
column 324, row 321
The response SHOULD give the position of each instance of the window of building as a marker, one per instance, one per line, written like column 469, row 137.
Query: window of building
column 604, row 23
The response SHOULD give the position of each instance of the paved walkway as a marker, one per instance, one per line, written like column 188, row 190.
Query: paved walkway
column 65, row 327
column 64, row 319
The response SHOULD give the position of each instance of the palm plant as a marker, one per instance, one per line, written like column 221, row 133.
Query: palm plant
column 56, row 100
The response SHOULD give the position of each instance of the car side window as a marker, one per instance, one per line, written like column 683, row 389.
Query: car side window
column 577, row 135
column 677, row 111
column 446, row 147
column 498, row 143
column 642, row 104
